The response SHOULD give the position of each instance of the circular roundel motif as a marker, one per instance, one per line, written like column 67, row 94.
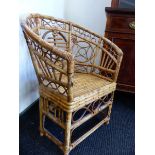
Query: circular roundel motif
column 55, row 38
column 83, row 52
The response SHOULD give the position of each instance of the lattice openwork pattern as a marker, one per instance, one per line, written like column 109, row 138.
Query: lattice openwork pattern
column 50, row 67
column 92, row 108
column 77, row 72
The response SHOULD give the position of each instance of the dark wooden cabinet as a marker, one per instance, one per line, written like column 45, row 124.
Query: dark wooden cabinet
column 129, row 4
column 120, row 29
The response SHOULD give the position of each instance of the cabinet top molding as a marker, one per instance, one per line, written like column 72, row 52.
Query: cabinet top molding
column 120, row 10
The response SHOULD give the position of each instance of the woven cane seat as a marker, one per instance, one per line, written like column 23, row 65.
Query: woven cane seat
column 88, row 84
column 86, row 87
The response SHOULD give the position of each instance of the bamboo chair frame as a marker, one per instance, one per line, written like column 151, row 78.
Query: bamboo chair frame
column 66, row 55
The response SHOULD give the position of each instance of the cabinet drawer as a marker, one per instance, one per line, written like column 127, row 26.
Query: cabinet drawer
column 121, row 24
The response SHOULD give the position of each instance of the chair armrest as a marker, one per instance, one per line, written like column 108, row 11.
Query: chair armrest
column 98, row 47
column 109, row 66
column 46, row 70
column 115, row 55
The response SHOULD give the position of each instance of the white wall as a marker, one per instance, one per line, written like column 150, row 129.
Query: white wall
column 88, row 13
column 28, row 84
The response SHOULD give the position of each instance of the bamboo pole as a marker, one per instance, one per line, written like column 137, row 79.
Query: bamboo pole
column 67, row 134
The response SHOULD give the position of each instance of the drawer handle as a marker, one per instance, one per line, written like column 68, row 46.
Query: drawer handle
column 132, row 25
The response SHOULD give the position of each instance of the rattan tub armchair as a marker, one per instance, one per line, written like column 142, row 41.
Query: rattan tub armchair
column 77, row 72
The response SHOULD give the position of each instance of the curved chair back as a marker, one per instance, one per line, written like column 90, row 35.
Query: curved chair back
column 60, row 48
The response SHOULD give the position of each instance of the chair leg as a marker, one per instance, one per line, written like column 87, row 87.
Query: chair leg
column 66, row 153
column 110, row 107
column 67, row 134
column 41, row 116
column 109, row 113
